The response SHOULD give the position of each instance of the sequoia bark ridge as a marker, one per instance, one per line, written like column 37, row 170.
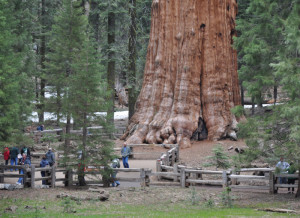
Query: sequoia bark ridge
column 190, row 78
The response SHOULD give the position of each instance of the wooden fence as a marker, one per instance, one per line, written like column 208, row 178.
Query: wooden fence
column 29, row 174
column 168, row 172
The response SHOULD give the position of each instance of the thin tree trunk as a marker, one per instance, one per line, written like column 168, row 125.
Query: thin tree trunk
column 132, row 58
column 58, row 105
column 298, row 189
column 242, row 96
column 275, row 94
column 111, row 67
column 81, row 178
column 68, row 131
column 190, row 73
column 43, row 67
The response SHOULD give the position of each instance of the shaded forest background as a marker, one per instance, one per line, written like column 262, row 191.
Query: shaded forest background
column 44, row 46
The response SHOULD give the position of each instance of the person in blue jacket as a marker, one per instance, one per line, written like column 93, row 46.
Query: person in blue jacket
column 125, row 152
column 50, row 156
column 43, row 164
column 25, row 160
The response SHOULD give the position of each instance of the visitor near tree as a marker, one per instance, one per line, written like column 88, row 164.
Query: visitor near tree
column 283, row 168
column 115, row 164
column 6, row 155
column 50, row 157
column 40, row 128
column 24, row 161
column 291, row 170
column 43, row 164
column 26, row 151
column 14, row 156
column 125, row 152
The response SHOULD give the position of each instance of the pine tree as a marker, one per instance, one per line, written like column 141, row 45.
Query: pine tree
column 260, row 37
column 16, row 65
column 277, row 133
column 78, row 77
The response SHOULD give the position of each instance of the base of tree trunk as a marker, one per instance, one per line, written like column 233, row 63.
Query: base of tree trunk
column 190, row 78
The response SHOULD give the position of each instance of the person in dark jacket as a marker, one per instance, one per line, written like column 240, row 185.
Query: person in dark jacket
column 26, row 151
column 50, row 157
column 43, row 164
column 291, row 170
column 14, row 156
column 24, row 161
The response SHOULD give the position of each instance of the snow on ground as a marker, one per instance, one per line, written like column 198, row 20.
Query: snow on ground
column 51, row 116
column 117, row 115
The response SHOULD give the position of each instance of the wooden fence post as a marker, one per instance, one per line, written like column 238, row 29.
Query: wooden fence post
column 147, row 177
column 271, row 183
column 32, row 176
column 225, row 179
column 168, row 158
column 143, row 177
column 234, row 181
column 158, row 168
column 25, row 172
column 53, row 177
column 1, row 177
column 177, row 152
column 175, row 170
column 182, row 177
column 173, row 157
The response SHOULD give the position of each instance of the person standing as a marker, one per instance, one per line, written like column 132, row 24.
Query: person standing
column 26, row 151
column 115, row 164
column 50, row 157
column 125, row 152
column 43, row 164
column 283, row 167
column 14, row 156
column 291, row 181
column 6, row 155
column 24, row 161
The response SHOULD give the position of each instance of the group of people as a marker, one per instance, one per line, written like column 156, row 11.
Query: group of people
column 289, row 168
column 15, row 155
column 23, row 157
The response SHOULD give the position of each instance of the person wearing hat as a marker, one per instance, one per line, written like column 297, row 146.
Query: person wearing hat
column 50, row 157
column 125, row 152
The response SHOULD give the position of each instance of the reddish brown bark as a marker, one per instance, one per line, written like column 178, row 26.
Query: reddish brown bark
column 190, row 74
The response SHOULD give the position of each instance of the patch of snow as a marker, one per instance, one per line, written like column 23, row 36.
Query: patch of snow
column 52, row 116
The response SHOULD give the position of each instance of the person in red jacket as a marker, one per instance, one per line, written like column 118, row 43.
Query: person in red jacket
column 6, row 155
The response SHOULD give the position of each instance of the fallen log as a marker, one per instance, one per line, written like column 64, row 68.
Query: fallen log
column 276, row 210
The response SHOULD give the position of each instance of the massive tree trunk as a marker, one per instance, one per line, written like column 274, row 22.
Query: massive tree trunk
column 190, row 79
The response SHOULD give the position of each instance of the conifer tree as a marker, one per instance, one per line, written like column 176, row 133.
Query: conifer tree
column 277, row 133
column 78, row 78
column 16, row 67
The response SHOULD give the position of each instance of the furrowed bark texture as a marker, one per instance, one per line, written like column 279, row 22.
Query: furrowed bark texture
column 190, row 78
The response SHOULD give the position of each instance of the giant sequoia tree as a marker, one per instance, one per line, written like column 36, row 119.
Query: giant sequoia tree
column 190, row 78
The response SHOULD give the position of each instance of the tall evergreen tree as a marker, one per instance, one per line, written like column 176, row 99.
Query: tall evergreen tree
column 132, row 58
column 277, row 134
column 16, row 66
column 259, row 39
column 78, row 78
